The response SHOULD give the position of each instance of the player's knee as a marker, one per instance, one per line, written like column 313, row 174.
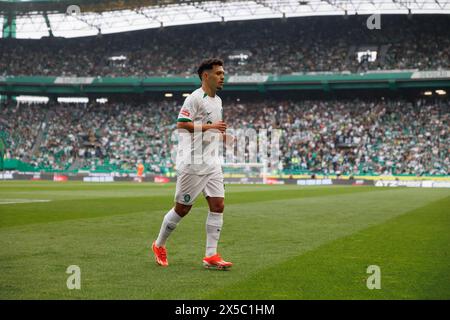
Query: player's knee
column 217, row 207
column 182, row 210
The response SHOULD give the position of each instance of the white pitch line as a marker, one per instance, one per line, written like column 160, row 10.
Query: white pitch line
column 15, row 201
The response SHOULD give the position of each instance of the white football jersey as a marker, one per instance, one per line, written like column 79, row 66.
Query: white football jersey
column 198, row 153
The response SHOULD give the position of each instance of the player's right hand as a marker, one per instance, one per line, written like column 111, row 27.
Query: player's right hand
column 219, row 125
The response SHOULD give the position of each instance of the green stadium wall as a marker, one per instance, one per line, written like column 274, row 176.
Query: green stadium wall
column 392, row 80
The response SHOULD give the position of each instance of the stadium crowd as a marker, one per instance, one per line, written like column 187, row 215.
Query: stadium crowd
column 318, row 136
column 355, row 136
column 20, row 125
column 308, row 44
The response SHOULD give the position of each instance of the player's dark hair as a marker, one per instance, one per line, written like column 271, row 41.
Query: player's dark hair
column 208, row 64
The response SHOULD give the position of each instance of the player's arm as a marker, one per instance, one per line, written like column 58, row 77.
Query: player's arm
column 191, row 126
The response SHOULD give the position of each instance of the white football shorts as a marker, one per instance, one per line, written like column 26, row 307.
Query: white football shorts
column 189, row 186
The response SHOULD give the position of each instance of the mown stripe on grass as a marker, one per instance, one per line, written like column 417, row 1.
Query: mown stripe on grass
column 76, row 186
column 114, row 251
column 20, row 201
column 63, row 210
column 124, row 190
column 412, row 251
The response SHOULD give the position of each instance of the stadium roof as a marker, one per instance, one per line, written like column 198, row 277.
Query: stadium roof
column 24, row 6
column 71, row 18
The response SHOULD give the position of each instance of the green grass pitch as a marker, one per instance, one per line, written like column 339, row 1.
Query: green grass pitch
column 286, row 242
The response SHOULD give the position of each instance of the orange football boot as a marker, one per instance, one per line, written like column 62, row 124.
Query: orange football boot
column 160, row 255
column 216, row 262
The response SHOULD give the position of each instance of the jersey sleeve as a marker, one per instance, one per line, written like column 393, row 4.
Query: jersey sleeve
column 188, row 110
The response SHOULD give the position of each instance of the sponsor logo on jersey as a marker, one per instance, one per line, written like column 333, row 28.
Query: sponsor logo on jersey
column 185, row 112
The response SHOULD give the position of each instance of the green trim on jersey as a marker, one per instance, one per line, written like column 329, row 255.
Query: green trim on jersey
column 184, row 120
column 205, row 95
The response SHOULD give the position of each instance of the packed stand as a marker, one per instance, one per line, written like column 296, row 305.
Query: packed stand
column 369, row 136
column 19, row 126
column 277, row 46
column 355, row 136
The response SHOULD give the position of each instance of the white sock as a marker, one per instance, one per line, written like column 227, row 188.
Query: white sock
column 214, row 224
column 169, row 224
